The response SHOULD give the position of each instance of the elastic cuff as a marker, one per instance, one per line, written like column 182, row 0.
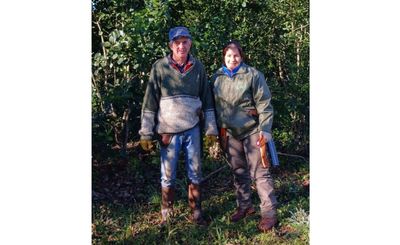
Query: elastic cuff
column 146, row 137
column 268, row 214
column 243, row 206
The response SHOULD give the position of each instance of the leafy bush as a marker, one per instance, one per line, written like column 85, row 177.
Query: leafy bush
column 128, row 36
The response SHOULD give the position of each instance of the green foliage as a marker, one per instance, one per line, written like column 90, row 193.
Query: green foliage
column 128, row 36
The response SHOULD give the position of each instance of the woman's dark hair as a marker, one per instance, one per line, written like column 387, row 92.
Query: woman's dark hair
column 232, row 44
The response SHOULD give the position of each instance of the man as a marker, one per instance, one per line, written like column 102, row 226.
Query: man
column 177, row 97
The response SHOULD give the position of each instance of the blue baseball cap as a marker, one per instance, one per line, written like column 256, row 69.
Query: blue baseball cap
column 179, row 31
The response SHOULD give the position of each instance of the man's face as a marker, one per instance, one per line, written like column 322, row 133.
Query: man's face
column 180, row 48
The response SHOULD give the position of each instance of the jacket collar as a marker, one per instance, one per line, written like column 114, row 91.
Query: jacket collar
column 233, row 72
column 242, row 68
column 185, row 67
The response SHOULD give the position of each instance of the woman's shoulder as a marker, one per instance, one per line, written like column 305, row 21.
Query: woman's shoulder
column 218, row 72
column 250, row 68
column 253, row 71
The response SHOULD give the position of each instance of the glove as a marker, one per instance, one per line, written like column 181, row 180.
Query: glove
column 147, row 145
column 213, row 146
column 267, row 136
column 262, row 143
column 211, row 140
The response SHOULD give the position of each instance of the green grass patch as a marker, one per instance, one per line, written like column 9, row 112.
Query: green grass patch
column 133, row 219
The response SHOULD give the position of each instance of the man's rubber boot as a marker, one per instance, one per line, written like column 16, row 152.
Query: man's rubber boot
column 195, row 205
column 167, row 202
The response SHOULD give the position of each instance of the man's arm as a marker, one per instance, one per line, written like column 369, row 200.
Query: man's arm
column 150, row 106
column 206, row 97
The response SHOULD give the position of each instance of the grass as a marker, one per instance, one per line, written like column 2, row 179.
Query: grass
column 126, row 206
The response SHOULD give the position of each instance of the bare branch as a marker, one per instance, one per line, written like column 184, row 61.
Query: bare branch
column 292, row 155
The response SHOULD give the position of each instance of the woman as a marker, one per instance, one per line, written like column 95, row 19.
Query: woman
column 244, row 115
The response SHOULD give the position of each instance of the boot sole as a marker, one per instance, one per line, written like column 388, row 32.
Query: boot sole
column 247, row 214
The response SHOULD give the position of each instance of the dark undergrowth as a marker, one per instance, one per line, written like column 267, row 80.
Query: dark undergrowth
column 126, row 205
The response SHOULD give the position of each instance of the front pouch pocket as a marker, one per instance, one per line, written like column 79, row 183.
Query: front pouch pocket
column 166, row 139
column 242, row 122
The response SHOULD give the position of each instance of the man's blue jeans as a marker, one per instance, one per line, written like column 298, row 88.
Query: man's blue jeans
column 189, row 142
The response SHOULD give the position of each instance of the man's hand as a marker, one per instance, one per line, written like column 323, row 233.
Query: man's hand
column 147, row 145
column 213, row 146
column 267, row 136
column 211, row 140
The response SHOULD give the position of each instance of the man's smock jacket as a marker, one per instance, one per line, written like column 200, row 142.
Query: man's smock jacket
column 174, row 101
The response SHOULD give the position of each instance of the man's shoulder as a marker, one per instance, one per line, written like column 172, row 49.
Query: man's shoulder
column 196, row 61
column 161, row 61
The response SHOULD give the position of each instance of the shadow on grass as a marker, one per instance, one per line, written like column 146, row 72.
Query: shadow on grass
column 135, row 220
column 181, row 231
column 219, row 231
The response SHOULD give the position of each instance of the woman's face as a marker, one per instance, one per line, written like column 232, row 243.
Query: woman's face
column 232, row 58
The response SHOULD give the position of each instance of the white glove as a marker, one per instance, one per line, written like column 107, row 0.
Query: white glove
column 267, row 136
